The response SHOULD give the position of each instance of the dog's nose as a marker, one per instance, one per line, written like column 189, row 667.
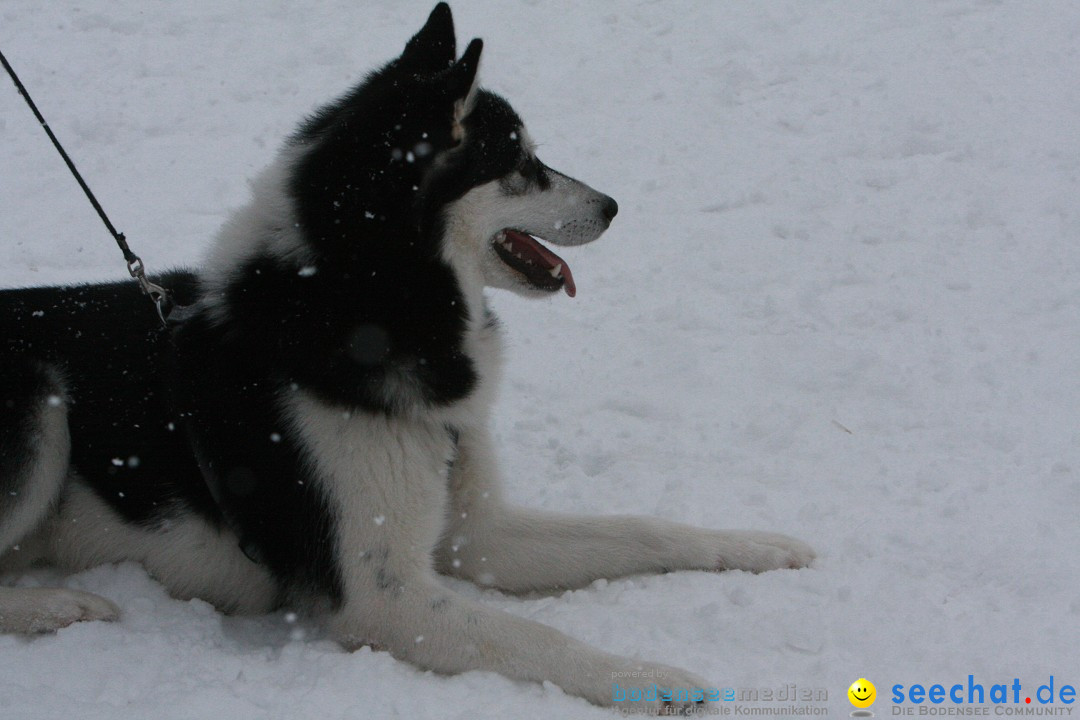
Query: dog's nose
column 610, row 208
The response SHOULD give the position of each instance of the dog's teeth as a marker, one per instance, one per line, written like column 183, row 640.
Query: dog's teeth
column 556, row 272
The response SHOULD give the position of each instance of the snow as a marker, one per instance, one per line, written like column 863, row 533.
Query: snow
column 841, row 300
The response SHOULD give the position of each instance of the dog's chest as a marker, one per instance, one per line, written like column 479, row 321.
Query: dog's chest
column 384, row 477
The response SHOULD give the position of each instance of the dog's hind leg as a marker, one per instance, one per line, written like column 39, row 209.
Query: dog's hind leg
column 34, row 455
column 521, row 550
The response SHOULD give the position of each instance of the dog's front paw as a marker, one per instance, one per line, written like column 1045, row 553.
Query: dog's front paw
column 55, row 608
column 760, row 551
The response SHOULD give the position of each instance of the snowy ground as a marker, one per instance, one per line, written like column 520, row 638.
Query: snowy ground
column 841, row 300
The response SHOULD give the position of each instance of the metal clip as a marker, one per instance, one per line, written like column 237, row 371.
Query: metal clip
column 158, row 294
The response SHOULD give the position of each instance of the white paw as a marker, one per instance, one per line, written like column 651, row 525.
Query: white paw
column 49, row 609
column 760, row 551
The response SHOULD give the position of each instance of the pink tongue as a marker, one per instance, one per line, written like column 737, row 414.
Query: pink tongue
column 547, row 258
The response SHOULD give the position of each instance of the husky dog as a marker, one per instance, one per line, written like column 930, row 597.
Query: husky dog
column 312, row 431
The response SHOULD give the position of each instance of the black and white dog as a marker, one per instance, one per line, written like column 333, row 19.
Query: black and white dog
column 313, row 432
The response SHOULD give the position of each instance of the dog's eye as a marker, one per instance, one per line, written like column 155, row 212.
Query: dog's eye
column 530, row 173
column 535, row 172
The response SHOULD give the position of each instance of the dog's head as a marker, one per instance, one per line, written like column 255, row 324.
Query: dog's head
column 419, row 156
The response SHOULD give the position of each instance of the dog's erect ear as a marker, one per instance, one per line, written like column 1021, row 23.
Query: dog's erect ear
column 434, row 48
column 462, row 76
column 460, row 83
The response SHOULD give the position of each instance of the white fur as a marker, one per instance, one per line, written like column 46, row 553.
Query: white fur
column 187, row 555
column 34, row 494
column 386, row 479
column 520, row 550
column 403, row 498
column 565, row 213
column 41, row 609
column 396, row 509
column 35, row 610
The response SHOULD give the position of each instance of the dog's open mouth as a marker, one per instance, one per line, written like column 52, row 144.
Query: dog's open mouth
column 542, row 268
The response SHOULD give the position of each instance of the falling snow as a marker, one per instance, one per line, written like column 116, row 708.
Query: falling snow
column 839, row 301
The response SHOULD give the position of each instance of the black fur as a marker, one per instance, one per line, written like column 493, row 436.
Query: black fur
column 192, row 419
column 492, row 150
column 108, row 345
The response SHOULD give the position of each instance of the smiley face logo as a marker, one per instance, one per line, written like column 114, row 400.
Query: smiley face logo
column 862, row 693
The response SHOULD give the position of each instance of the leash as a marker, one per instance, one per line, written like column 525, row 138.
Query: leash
column 159, row 295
